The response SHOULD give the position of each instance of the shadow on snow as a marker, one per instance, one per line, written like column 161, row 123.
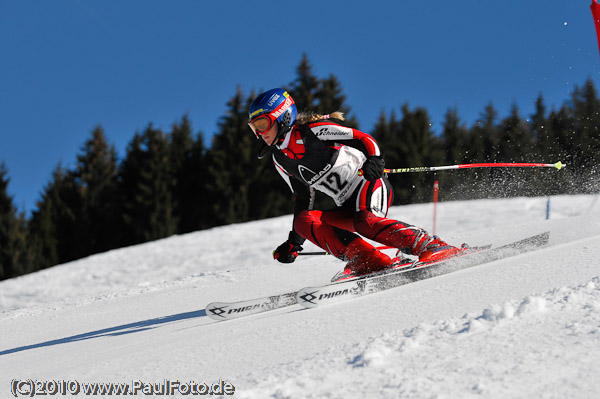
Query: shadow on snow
column 113, row 331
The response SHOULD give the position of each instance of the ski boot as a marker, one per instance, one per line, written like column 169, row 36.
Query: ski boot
column 432, row 248
column 363, row 258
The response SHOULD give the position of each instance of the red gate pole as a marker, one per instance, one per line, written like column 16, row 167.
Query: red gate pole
column 435, row 201
column 595, row 7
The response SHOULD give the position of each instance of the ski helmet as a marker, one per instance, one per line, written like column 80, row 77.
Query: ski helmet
column 275, row 105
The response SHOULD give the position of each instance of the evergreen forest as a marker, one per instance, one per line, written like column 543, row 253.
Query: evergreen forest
column 173, row 182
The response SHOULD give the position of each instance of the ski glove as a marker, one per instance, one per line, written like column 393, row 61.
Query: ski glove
column 287, row 252
column 373, row 168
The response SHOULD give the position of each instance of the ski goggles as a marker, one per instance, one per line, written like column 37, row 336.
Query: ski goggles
column 261, row 124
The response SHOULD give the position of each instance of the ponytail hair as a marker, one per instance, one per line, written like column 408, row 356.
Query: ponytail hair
column 308, row 117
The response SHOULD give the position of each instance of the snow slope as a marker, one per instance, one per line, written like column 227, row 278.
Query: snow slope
column 528, row 326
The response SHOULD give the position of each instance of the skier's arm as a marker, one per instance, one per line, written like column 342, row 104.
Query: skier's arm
column 303, row 200
column 327, row 131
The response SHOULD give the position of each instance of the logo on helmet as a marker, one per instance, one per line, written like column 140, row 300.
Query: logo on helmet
column 282, row 108
column 273, row 99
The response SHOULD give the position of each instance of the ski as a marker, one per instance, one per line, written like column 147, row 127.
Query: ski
column 311, row 297
column 234, row 310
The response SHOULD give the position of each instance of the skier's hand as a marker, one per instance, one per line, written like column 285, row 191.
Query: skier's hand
column 373, row 168
column 286, row 252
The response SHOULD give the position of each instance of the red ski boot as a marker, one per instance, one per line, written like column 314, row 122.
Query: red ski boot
column 432, row 248
column 364, row 258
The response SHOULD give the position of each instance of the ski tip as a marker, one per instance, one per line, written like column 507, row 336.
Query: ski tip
column 559, row 165
column 210, row 312
column 215, row 310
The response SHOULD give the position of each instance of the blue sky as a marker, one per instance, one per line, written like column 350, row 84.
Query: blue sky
column 70, row 65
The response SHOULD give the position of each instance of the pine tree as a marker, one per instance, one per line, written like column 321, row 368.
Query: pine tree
column 586, row 125
column 560, row 136
column 181, row 143
column 564, row 145
column 43, row 239
column 146, row 186
column 389, row 138
column 53, row 228
column 482, row 144
column 454, row 138
column 192, row 208
column 386, row 134
column 515, row 139
column 540, row 131
column 7, row 214
column 516, row 144
column 456, row 150
column 331, row 98
column 305, row 87
column 13, row 250
column 68, row 207
column 484, row 136
column 544, row 150
column 420, row 148
column 229, row 166
column 409, row 143
column 96, row 176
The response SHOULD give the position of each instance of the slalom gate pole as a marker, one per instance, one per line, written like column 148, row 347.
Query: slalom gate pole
column 596, row 14
column 436, row 189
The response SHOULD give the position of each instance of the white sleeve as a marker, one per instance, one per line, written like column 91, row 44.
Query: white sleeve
column 333, row 132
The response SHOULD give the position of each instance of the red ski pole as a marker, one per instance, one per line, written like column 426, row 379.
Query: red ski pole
column 558, row 165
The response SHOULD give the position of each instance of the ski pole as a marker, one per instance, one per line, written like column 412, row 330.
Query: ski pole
column 327, row 253
column 558, row 165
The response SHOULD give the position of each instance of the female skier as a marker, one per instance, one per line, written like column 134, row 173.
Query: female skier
column 312, row 152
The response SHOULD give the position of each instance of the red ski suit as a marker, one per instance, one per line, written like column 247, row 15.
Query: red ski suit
column 326, row 156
